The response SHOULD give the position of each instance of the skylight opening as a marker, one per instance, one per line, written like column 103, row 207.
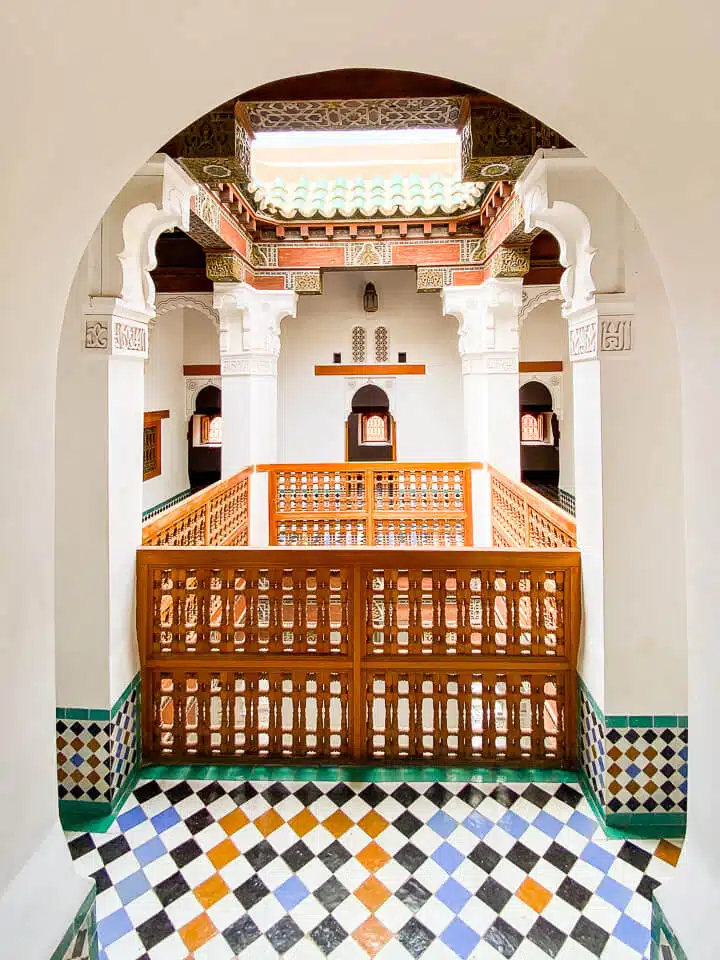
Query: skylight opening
column 284, row 139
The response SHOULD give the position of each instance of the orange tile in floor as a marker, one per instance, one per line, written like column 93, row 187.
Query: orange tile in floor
column 198, row 932
column 338, row 823
column 372, row 893
column 533, row 894
column 234, row 821
column 372, row 936
column 221, row 855
column 268, row 822
column 669, row 852
column 373, row 824
column 373, row 857
column 211, row 890
column 303, row 822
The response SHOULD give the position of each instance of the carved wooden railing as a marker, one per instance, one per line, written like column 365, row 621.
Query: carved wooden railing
column 218, row 515
column 521, row 517
column 370, row 504
column 359, row 654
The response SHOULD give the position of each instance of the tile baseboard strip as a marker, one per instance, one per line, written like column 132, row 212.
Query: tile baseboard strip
column 84, row 923
column 664, row 944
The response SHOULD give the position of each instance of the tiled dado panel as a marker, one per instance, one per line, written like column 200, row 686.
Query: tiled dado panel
column 664, row 943
column 81, row 939
column 634, row 764
column 98, row 749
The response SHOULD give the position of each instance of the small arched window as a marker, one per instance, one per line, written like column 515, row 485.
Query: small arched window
column 382, row 346
column 215, row 431
column 374, row 428
column 531, row 428
column 359, row 345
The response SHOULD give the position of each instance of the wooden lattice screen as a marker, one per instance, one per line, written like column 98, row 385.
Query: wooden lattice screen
column 215, row 516
column 405, row 655
column 339, row 505
column 521, row 517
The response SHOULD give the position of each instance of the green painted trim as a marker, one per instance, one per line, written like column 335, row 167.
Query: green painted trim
column 86, row 906
column 619, row 721
column 170, row 502
column 359, row 774
column 683, row 722
column 659, row 923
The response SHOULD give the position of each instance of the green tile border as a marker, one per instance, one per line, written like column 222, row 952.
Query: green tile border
column 87, row 906
column 629, row 826
column 356, row 774
column 86, row 816
column 659, row 924
column 170, row 502
column 82, row 713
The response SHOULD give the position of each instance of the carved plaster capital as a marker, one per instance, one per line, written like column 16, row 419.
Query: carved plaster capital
column 248, row 365
column 487, row 315
column 250, row 319
column 111, row 328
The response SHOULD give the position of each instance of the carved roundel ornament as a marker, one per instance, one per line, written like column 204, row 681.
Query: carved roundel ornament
column 495, row 170
column 217, row 170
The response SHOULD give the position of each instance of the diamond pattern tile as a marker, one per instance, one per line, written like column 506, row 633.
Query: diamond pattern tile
column 319, row 869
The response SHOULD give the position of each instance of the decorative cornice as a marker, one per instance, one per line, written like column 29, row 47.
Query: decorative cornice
column 392, row 114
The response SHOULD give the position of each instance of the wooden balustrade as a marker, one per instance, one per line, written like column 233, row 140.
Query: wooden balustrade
column 370, row 504
column 218, row 515
column 359, row 654
column 521, row 517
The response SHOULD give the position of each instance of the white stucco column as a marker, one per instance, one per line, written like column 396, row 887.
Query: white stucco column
column 488, row 343
column 249, row 349
column 99, row 500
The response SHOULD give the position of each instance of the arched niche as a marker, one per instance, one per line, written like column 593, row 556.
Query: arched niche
column 539, row 435
column 205, row 438
column 370, row 427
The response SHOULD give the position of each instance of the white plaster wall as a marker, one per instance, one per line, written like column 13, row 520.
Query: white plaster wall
column 313, row 410
column 165, row 390
column 544, row 336
column 644, row 535
column 200, row 338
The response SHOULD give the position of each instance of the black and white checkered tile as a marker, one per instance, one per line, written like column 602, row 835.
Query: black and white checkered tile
column 298, row 869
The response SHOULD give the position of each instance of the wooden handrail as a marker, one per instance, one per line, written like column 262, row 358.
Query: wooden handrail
column 214, row 516
column 521, row 517
column 370, row 503
column 374, row 655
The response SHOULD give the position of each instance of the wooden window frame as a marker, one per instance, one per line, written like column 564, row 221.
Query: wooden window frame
column 152, row 420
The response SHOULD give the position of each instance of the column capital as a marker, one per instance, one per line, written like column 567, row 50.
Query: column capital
column 604, row 326
column 113, row 328
column 487, row 316
column 250, row 319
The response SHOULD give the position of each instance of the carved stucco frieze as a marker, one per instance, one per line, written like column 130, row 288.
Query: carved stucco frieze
column 616, row 335
column 490, row 363
column 224, row 268
column 510, row 262
column 248, row 365
column 109, row 327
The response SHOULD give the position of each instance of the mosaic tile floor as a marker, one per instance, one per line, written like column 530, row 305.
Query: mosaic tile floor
column 213, row 870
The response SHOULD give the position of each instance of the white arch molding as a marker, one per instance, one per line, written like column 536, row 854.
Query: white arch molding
column 109, row 66
column 167, row 302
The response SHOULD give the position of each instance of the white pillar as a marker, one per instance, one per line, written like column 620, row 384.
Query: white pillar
column 99, row 470
column 488, row 343
column 249, row 349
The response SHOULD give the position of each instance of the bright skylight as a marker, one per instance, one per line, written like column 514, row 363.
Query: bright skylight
column 334, row 138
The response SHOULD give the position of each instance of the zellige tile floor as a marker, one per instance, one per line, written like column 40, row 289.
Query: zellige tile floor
column 301, row 869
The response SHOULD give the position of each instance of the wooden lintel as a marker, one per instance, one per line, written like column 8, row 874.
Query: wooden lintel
column 541, row 366
column 368, row 369
column 201, row 370
column 153, row 416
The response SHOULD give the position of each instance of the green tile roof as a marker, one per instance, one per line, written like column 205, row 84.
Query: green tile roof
column 340, row 198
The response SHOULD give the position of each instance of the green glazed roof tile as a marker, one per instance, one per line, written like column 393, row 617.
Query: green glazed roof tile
column 339, row 197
